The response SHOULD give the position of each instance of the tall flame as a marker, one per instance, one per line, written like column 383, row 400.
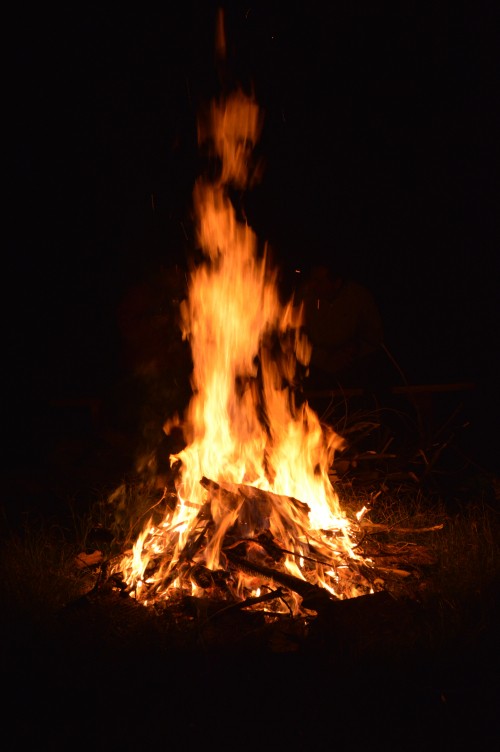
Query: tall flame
column 244, row 428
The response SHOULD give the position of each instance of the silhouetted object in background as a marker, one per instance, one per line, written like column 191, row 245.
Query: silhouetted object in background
column 351, row 373
column 344, row 326
column 156, row 361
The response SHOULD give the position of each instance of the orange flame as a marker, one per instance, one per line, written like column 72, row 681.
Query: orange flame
column 243, row 428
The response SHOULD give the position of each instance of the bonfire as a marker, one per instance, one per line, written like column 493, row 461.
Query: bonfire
column 255, row 518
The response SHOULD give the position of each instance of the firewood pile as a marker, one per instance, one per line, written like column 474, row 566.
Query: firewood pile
column 386, row 576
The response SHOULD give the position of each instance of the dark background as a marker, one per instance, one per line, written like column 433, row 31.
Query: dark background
column 379, row 147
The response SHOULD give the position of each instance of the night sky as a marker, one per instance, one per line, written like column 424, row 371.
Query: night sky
column 379, row 144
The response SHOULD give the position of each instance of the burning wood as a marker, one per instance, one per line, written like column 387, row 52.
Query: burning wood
column 251, row 558
column 255, row 505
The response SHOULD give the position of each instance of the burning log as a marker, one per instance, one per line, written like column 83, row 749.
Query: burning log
column 254, row 505
column 313, row 597
column 270, row 596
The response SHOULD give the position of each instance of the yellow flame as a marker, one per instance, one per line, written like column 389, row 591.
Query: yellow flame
column 243, row 427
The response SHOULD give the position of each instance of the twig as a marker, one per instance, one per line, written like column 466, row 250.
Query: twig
column 377, row 527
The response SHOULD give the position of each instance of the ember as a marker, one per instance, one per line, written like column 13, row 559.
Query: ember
column 256, row 519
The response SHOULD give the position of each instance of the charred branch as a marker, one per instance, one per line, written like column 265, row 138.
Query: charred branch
column 313, row 597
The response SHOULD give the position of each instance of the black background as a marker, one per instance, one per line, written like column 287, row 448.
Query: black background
column 379, row 146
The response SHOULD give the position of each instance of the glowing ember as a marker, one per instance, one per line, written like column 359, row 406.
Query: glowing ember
column 255, row 508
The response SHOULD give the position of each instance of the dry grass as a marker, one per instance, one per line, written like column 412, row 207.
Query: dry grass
column 39, row 576
column 462, row 544
column 79, row 663
column 446, row 513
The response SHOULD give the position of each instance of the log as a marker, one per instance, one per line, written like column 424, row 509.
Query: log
column 313, row 596
column 375, row 527
column 231, row 491
column 255, row 506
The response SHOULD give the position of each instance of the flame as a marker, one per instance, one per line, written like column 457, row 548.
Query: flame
column 254, row 469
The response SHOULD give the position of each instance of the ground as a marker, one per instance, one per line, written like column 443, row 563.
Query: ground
column 104, row 672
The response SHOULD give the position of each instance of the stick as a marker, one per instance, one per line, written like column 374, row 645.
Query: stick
column 312, row 595
column 377, row 527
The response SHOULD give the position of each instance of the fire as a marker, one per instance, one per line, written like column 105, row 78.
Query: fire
column 254, row 505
